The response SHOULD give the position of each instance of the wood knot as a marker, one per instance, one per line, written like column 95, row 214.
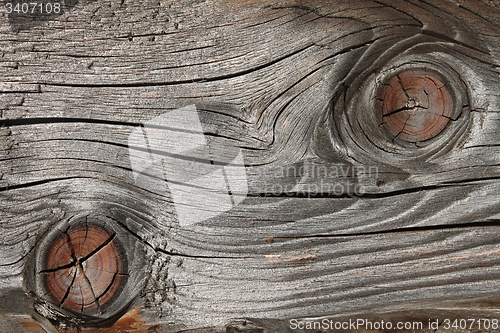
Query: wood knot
column 84, row 269
column 415, row 105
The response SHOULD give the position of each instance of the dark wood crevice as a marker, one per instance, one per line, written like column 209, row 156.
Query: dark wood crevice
column 55, row 120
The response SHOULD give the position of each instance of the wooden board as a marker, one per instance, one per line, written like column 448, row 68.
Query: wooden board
column 338, row 219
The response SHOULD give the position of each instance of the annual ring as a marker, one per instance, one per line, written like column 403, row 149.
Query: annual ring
column 415, row 105
column 84, row 269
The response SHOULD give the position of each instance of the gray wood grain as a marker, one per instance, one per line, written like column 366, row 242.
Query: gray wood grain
column 288, row 82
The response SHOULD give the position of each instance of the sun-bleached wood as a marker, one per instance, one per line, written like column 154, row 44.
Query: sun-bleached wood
column 292, row 83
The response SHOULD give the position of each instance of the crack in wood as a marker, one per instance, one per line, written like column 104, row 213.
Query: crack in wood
column 181, row 82
column 78, row 261
column 69, row 289
column 489, row 223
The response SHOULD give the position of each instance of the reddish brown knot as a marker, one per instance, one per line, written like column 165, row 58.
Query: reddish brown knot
column 84, row 269
column 415, row 105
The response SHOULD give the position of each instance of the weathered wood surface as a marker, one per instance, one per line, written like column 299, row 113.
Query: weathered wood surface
column 289, row 83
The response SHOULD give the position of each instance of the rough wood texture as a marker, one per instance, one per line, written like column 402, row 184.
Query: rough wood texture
column 338, row 219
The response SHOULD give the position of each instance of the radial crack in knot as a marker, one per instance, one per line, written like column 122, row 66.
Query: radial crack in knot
column 83, row 269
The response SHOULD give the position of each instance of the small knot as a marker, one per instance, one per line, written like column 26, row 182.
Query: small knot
column 415, row 105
